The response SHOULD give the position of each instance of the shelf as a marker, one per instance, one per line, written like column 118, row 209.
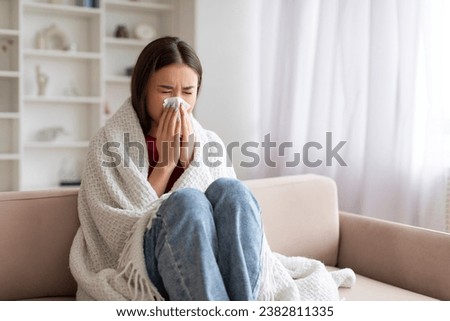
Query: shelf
column 9, row 32
column 9, row 74
column 138, row 6
column 68, row 10
column 63, row 99
column 9, row 156
column 62, row 54
column 119, row 79
column 9, row 115
column 126, row 42
column 58, row 144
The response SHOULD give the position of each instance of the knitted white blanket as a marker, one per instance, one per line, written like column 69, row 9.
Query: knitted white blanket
column 116, row 205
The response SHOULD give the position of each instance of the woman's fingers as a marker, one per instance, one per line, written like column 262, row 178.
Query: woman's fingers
column 168, row 123
column 160, row 123
column 167, row 139
column 176, row 137
column 187, row 143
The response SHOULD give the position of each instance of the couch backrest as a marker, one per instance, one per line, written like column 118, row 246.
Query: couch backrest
column 36, row 232
column 300, row 216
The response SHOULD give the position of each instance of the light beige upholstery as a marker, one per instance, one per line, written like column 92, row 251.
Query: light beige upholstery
column 366, row 289
column 300, row 210
column 36, row 231
column 300, row 215
column 409, row 257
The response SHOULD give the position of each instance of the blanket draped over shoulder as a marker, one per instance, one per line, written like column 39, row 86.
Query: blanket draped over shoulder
column 116, row 205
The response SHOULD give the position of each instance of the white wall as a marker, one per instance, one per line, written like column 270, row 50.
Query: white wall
column 224, row 41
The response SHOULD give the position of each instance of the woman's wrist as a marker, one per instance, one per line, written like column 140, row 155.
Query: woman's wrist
column 159, row 177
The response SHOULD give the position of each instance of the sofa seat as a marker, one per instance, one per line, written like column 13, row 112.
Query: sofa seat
column 366, row 289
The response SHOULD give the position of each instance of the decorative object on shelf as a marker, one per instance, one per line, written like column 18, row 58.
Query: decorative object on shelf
column 56, row 1
column 6, row 43
column 72, row 47
column 49, row 134
column 42, row 81
column 76, row 182
column 87, row 3
column 52, row 38
column 55, row 38
column 129, row 71
column 5, row 56
column 107, row 109
column 72, row 90
column 40, row 40
column 69, row 173
column 144, row 31
column 121, row 32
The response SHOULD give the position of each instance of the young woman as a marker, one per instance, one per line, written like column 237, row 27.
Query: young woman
column 203, row 237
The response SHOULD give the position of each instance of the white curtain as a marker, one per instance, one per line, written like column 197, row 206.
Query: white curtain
column 374, row 74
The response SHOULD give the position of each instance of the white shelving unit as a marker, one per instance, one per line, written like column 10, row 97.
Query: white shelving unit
column 64, row 41
column 9, row 95
column 84, row 65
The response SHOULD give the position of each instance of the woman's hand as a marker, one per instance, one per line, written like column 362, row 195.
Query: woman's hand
column 187, row 138
column 168, row 147
column 168, row 139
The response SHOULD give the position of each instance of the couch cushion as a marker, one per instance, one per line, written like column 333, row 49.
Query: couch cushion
column 366, row 289
column 36, row 232
column 300, row 215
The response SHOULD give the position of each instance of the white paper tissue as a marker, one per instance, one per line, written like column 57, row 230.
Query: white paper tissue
column 174, row 102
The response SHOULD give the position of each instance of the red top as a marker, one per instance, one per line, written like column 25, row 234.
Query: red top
column 153, row 159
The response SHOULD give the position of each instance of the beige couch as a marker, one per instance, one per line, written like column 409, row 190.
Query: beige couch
column 300, row 213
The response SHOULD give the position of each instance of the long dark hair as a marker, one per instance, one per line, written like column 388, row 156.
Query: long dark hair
column 156, row 55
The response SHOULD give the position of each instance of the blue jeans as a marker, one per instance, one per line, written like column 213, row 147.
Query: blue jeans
column 206, row 246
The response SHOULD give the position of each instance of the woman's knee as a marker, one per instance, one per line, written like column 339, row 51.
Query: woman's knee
column 229, row 190
column 225, row 185
column 186, row 196
column 185, row 204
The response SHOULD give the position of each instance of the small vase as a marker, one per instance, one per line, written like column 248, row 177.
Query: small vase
column 121, row 32
column 42, row 81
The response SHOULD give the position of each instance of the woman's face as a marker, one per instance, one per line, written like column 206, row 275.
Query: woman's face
column 176, row 80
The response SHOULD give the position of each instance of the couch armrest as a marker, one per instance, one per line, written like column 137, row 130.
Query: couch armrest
column 409, row 257
column 36, row 232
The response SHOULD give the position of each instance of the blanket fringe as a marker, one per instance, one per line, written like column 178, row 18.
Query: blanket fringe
column 138, row 285
column 138, row 282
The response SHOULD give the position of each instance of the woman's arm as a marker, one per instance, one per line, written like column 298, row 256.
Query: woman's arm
column 159, row 178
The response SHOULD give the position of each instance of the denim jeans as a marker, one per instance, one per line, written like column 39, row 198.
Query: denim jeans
column 206, row 246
